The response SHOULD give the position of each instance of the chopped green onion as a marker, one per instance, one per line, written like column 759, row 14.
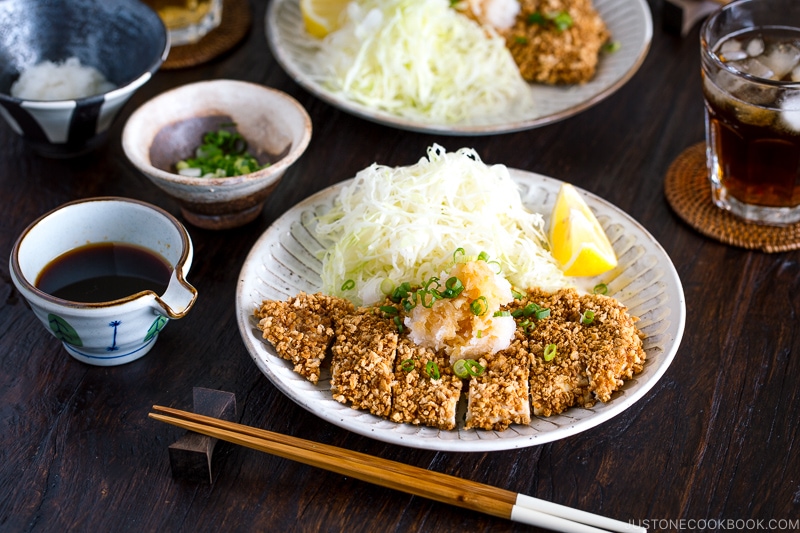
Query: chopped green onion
column 389, row 310
column 457, row 252
column 517, row 313
column 463, row 368
column 427, row 304
column 541, row 313
column 348, row 285
column 479, row 306
column 563, row 21
column 479, row 333
column 536, row 18
column 611, row 47
column 527, row 325
column 398, row 323
column 407, row 365
column 502, row 313
column 517, row 294
column 549, row 352
column 452, row 288
column 587, row 317
column 520, row 39
column 400, row 292
column 600, row 288
column 432, row 369
column 222, row 154
column 483, row 256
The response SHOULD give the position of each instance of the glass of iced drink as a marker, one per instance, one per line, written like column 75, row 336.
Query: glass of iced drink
column 188, row 21
column 750, row 52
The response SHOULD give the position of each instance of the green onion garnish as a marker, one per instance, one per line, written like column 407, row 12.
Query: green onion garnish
column 549, row 352
column 349, row 284
column 452, row 288
column 502, row 313
column 479, row 306
column 483, row 256
column 407, row 365
column 457, row 252
column 611, row 47
column 222, row 154
column 600, row 288
column 432, row 369
column 518, row 295
column 587, row 317
column 399, row 324
column 463, row 368
column 389, row 310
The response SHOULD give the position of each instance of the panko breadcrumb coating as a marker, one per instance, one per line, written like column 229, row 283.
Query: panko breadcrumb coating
column 592, row 361
column 301, row 328
column 418, row 398
column 547, row 54
column 499, row 396
column 369, row 350
column 362, row 367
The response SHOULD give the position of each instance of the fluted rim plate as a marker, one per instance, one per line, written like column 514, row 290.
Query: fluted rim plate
column 284, row 261
column 629, row 21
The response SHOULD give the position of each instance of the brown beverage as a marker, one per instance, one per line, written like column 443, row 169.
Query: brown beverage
column 188, row 20
column 104, row 272
column 755, row 139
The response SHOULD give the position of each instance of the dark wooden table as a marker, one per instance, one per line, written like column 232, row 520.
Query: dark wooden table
column 716, row 439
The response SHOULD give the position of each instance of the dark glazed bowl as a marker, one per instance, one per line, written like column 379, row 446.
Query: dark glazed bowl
column 123, row 39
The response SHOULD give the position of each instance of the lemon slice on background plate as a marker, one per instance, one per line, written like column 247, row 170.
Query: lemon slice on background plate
column 321, row 16
column 577, row 240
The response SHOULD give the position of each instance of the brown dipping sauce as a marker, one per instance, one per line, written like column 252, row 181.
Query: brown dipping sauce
column 103, row 272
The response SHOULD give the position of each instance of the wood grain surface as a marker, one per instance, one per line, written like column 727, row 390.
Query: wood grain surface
column 716, row 439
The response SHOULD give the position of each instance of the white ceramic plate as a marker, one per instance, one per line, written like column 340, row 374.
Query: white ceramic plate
column 629, row 21
column 284, row 262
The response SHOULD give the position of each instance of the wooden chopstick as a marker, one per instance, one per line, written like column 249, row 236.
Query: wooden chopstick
column 406, row 478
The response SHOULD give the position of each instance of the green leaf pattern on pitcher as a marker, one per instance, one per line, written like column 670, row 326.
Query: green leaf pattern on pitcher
column 63, row 331
column 157, row 326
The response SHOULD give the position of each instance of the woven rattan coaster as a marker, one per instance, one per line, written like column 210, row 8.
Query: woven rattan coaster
column 232, row 28
column 688, row 192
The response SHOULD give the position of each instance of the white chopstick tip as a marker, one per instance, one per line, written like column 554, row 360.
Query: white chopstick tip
column 593, row 521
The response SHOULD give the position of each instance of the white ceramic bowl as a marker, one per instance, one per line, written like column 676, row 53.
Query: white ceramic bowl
column 126, row 41
column 118, row 331
column 169, row 128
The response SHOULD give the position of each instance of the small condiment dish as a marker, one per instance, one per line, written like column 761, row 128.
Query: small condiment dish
column 126, row 41
column 105, row 333
column 170, row 127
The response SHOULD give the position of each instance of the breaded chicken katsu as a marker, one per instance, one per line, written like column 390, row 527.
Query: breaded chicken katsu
column 569, row 349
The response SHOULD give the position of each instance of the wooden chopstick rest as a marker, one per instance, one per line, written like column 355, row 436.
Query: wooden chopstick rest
column 190, row 456
column 406, row 478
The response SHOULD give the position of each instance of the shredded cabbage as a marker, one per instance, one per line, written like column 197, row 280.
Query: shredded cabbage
column 403, row 224
column 420, row 59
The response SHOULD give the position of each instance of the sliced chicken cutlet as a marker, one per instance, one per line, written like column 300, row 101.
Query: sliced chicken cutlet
column 419, row 396
column 498, row 397
column 362, row 366
column 591, row 360
column 301, row 328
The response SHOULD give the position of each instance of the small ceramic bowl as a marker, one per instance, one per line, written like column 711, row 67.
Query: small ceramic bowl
column 109, row 332
column 170, row 127
column 126, row 41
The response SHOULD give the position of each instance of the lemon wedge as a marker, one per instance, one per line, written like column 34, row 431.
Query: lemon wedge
column 321, row 16
column 577, row 239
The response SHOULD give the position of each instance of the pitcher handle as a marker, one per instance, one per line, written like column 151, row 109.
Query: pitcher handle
column 178, row 298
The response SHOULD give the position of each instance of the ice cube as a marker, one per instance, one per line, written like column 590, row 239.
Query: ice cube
column 790, row 111
column 755, row 47
column 781, row 59
column 753, row 114
column 736, row 55
column 731, row 45
column 754, row 67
